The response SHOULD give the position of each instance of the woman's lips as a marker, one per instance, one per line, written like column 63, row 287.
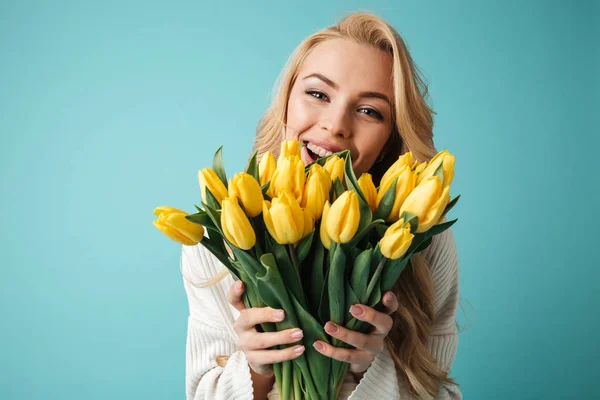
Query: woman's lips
column 306, row 156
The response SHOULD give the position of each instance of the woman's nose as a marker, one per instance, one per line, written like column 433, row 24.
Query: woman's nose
column 336, row 122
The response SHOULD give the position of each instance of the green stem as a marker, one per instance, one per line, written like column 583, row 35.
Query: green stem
column 375, row 278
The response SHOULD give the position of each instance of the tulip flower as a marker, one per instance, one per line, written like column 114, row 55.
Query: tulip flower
column 396, row 240
column 244, row 187
column 284, row 218
column 448, row 161
column 404, row 185
column 393, row 171
column 235, row 225
column 427, row 202
column 289, row 148
column 288, row 176
column 419, row 167
column 309, row 222
column 172, row 222
column 316, row 190
column 266, row 167
column 367, row 187
column 335, row 166
column 325, row 239
column 343, row 217
column 209, row 179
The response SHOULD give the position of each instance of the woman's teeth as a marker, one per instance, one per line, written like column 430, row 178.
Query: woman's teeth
column 318, row 150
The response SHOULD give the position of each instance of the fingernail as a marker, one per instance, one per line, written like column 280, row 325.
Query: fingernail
column 278, row 314
column 299, row 349
column 356, row 310
column 388, row 297
column 297, row 334
column 238, row 286
column 318, row 345
column 331, row 327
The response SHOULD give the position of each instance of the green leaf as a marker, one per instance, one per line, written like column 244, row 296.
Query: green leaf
column 387, row 202
column 335, row 284
column 317, row 277
column 291, row 276
column 412, row 219
column 449, row 206
column 264, row 188
column 318, row 363
column 253, row 167
column 422, row 246
column 214, row 215
column 374, row 283
column 211, row 200
column 360, row 274
column 337, row 187
column 439, row 228
column 381, row 228
column 351, row 298
column 218, row 166
column 200, row 218
column 392, row 272
column 248, row 263
column 304, row 247
column 362, row 232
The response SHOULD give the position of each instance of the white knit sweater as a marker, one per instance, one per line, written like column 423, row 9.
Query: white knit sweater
column 210, row 333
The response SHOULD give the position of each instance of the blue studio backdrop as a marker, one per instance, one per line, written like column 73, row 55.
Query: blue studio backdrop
column 108, row 109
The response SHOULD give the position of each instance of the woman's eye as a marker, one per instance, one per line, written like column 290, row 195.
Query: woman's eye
column 372, row 113
column 316, row 94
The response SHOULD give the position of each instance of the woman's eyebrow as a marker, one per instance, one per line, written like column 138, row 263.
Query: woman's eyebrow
column 334, row 85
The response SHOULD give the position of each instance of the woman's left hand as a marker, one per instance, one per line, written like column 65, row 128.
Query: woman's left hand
column 367, row 346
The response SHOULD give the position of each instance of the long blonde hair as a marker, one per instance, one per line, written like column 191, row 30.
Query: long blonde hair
column 412, row 131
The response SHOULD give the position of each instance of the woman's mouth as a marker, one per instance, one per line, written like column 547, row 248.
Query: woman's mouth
column 311, row 152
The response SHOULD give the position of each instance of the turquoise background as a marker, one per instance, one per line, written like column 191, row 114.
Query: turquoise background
column 108, row 109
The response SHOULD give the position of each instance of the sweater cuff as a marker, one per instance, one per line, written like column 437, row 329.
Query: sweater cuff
column 237, row 374
column 380, row 379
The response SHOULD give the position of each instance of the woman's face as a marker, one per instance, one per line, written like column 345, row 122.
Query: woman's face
column 342, row 99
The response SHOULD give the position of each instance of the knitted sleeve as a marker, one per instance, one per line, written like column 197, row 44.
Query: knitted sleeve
column 209, row 335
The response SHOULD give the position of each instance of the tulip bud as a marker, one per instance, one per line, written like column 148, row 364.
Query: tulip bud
column 316, row 190
column 427, row 202
column 419, row 167
column 404, row 185
column 396, row 240
column 393, row 171
column 288, row 176
column 335, row 166
column 235, row 225
column 325, row 239
column 172, row 222
column 309, row 222
column 289, row 148
column 448, row 161
column 284, row 218
column 208, row 178
column 244, row 187
column 266, row 167
column 344, row 217
column 367, row 187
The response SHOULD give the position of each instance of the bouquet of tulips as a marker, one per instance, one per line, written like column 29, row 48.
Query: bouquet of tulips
column 313, row 240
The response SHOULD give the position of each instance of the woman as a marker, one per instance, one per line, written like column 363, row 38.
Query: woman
column 351, row 86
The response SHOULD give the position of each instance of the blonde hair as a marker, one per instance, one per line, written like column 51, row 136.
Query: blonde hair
column 412, row 131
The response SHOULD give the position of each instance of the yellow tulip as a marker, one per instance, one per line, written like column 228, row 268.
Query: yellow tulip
column 325, row 239
column 316, row 190
column 393, row 171
column 288, row 176
column 208, row 178
column 235, row 225
column 309, row 222
column 367, row 187
column 266, row 167
column 335, row 166
column 172, row 222
column 289, row 148
column 448, row 167
column 427, row 202
column 419, row 167
column 284, row 218
column 244, row 187
column 343, row 217
column 405, row 184
column 396, row 240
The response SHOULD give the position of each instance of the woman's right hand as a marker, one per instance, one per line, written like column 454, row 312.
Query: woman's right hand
column 254, row 343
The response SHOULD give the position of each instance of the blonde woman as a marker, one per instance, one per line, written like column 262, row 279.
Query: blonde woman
column 351, row 86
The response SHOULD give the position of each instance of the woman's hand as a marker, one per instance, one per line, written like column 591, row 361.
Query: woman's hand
column 367, row 346
column 254, row 343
